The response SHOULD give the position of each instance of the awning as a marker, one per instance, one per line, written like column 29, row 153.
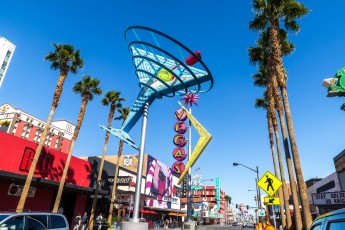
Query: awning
column 172, row 214
column 147, row 211
column 176, row 214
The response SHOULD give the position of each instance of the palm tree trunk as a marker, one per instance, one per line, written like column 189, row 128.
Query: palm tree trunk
column 74, row 138
column 282, row 197
column 113, row 191
column 282, row 176
column 99, row 177
column 299, row 174
column 55, row 103
column 297, row 214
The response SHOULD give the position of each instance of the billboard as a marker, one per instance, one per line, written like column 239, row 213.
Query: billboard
column 158, row 184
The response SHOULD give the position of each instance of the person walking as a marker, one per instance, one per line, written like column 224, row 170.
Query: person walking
column 99, row 221
column 77, row 222
column 84, row 220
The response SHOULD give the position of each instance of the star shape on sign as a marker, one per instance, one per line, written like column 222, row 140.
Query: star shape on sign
column 190, row 99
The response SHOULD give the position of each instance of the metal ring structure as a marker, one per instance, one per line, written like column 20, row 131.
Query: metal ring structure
column 135, row 38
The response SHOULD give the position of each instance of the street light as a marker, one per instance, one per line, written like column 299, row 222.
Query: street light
column 257, row 179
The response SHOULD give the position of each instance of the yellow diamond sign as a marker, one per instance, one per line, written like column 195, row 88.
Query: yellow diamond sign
column 270, row 200
column 269, row 183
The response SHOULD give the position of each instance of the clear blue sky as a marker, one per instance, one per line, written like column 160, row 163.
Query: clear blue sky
column 219, row 29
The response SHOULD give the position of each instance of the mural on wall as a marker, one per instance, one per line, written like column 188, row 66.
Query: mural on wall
column 158, row 184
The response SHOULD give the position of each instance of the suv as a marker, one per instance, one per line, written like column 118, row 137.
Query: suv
column 331, row 221
column 32, row 221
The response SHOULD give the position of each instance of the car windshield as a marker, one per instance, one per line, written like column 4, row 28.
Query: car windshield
column 3, row 217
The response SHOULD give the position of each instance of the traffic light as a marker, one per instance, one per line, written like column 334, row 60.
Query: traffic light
column 255, row 198
column 236, row 205
column 247, row 207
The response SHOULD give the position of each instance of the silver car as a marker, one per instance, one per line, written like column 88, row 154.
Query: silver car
column 33, row 221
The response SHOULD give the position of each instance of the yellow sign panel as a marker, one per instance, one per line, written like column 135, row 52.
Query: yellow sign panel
column 203, row 141
column 270, row 200
column 269, row 183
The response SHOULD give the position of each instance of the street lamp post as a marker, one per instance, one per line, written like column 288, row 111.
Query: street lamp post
column 257, row 188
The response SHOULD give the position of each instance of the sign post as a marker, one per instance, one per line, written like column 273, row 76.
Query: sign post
column 270, row 184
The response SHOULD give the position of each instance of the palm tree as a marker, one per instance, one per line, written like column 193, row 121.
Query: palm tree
column 259, row 55
column 87, row 87
column 66, row 60
column 123, row 115
column 113, row 99
column 268, row 14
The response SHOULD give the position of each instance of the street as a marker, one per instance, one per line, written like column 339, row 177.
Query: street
column 218, row 227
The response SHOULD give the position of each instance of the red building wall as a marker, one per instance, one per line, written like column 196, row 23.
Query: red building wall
column 41, row 201
column 80, row 206
column 17, row 155
column 65, row 144
column 53, row 142
column 32, row 134
column 20, row 128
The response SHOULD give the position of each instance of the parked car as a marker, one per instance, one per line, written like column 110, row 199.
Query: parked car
column 33, row 220
column 235, row 223
column 331, row 221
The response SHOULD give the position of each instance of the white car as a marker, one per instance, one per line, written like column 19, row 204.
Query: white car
column 33, row 221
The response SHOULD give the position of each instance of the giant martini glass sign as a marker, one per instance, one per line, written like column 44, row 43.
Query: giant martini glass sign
column 164, row 67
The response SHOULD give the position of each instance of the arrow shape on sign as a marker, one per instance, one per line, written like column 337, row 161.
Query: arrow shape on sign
column 205, row 138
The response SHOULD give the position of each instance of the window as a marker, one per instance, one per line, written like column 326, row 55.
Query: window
column 57, row 222
column 2, row 217
column 15, row 223
column 339, row 225
column 37, row 222
column 8, row 53
column 4, row 64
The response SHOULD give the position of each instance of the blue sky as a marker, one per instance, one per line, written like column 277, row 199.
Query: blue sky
column 219, row 29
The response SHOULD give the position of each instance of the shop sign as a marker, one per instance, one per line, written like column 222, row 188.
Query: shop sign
column 44, row 163
column 16, row 190
column 121, row 180
column 127, row 160
column 329, row 198
column 169, row 199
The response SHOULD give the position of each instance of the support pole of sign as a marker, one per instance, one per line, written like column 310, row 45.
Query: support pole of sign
column 274, row 217
column 140, row 164
column 189, row 200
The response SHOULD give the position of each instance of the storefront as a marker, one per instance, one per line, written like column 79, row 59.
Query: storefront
column 44, row 186
column 125, row 186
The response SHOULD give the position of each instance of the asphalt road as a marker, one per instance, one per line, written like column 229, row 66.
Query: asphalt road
column 218, row 227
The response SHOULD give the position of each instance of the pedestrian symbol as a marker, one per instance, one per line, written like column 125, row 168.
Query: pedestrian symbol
column 270, row 200
column 269, row 183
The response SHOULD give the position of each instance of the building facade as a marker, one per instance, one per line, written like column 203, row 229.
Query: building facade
column 17, row 154
column 6, row 52
column 23, row 125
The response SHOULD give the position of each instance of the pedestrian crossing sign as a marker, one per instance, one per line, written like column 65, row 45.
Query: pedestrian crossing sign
column 269, row 183
column 270, row 200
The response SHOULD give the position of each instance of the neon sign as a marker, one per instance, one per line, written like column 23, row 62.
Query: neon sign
column 180, row 141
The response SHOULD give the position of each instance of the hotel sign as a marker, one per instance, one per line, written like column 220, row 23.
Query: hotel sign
column 329, row 198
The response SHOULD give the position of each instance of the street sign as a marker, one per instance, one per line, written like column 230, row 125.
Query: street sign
column 269, row 183
column 261, row 212
column 269, row 200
